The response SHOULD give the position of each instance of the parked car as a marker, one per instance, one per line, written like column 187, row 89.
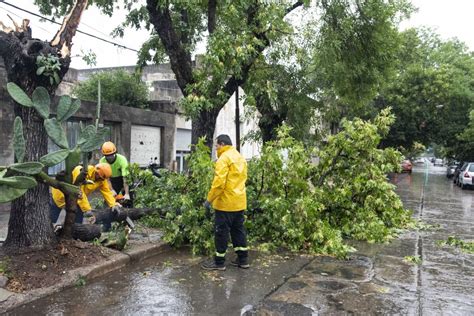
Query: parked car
column 451, row 169
column 466, row 174
column 457, row 171
column 438, row 162
column 406, row 166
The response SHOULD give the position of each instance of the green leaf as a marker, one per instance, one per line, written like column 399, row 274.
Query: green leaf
column 54, row 158
column 19, row 182
column 86, row 133
column 3, row 172
column 56, row 78
column 40, row 70
column 8, row 194
column 41, row 101
column 67, row 108
column 32, row 167
column 18, row 139
column 94, row 141
column 56, row 133
column 19, row 95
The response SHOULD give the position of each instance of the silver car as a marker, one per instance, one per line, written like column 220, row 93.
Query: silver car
column 450, row 169
column 465, row 175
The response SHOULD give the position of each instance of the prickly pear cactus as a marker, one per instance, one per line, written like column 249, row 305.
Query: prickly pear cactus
column 17, row 178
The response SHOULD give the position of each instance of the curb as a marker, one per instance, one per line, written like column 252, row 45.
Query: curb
column 117, row 261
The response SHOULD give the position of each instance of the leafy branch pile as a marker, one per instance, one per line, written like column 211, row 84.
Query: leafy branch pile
column 294, row 201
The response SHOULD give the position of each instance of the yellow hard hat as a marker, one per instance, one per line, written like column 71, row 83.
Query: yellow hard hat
column 103, row 170
column 108, row 148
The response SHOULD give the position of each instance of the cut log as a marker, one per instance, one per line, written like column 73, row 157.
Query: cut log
column 104, row 215
column 86, row 232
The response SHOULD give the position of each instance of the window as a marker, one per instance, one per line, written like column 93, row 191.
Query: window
column 182, row 164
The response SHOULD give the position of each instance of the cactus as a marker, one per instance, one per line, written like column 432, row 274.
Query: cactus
column 19, row 182
column 18, row 140
column 30, row 168
column 19, row 95
column 41, row 102
column 54, row 158
column 56, row 132
column 14, row 186
column 67, row 108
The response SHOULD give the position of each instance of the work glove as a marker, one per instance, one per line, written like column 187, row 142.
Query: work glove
column 89, row 217
column 126, row 197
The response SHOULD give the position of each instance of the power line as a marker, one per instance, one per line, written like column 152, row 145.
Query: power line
column 79, row 31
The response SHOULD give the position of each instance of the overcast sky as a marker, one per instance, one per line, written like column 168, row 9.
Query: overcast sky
column 449, row 18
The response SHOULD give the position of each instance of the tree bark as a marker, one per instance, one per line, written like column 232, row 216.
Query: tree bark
column 30, row 223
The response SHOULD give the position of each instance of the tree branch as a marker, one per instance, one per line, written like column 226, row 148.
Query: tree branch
column 63, row 38
column 180, row 59
column 63, row 186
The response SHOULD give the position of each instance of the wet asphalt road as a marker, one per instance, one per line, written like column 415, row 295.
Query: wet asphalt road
column 376, row 280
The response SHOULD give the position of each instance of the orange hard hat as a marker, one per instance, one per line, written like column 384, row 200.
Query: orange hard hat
column 108, row 148
column 103, row 170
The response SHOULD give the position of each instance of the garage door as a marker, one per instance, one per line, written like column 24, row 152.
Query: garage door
column 145, row 144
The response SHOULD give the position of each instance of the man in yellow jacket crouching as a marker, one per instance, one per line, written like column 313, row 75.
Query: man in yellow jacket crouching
column 229, row 199
column 96, row 178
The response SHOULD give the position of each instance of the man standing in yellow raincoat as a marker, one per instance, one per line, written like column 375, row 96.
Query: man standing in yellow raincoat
column 96, row 178
column 228, row 197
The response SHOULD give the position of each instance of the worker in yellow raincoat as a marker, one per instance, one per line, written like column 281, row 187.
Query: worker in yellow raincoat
column 96, row 178
column 228, row 197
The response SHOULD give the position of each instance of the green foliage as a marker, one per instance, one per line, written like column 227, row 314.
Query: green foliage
column 181, row 198
column 19, row 95
column 117, row 87
column 465, row 246
column 18, row 140
column 48, row 66
column 41, row 101
column 4, row 267
column 413, row 259
column 67, row 107
column 292, row 202
column 54, row 158
column 15, row 185
column 31, row 167
column 81, row 281
column 56, row 132
column 19, row 182
column 431, row 95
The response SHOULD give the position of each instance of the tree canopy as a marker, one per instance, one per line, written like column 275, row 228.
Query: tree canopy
column 355, row 35
column 432, row 93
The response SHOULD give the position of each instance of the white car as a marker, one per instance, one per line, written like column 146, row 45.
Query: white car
column 438, row 162
column 465, row 175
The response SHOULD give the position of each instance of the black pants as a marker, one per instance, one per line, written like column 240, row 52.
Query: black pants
column 233, row 223
column 117, row 184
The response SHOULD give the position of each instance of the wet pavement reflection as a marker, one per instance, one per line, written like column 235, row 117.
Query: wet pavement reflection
column 376, row 279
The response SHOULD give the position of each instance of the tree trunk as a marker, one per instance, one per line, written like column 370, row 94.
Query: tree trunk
column 205, row 125
column 30, row 224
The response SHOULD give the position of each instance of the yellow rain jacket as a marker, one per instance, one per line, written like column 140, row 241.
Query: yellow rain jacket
column 227, row 192
column 83, row 202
